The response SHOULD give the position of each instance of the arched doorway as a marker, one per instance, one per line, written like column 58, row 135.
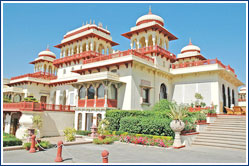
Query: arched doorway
column 163, row 92
column 229, row 97
column 17, row 98
column 224, row 98
column 233, row 99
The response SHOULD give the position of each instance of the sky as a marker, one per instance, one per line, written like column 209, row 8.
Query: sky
column 218, row 29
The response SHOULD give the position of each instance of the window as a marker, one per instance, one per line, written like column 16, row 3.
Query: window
column 82, row 92
column 113, row 92
column 114, row 71
column 91, row 92
column 101, row 92
column 163, row 92
column 146, row 95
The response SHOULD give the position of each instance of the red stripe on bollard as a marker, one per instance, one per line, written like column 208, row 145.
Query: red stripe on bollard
column 32, row 147
column 59, row 151
column 105, row 155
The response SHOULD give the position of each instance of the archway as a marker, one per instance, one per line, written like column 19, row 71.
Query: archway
column 90, row 92
column 224, row 98
column 17, row 98
column 163, row 92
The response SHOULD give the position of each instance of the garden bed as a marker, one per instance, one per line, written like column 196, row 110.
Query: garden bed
column 10, row 140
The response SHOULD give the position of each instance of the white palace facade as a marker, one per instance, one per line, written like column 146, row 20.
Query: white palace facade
column 89, row 77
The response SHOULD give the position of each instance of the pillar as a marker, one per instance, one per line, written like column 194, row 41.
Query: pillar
column 69, row 52
column 146, row 41
column 154, row 39
column 76, row 120
column 91, row 46
column 78, row 49
column 137, row 44
column 106, row 96
column 81, row 49
column 83, row 121
column 7, row 123
column 95, row 118
column 95, row 96
column 64, row 53
column 72, row 52
column 131, row 44
column 61, row 54
column 87, row 46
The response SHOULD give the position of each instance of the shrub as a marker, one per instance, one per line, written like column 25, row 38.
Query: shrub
column 45, row 144
column 107, row 140
column 6, row 100
column 148, row 125
column 114, row 116
column 83, row 132
column 162, row 105
column 70, row 134
column 102, row 128
column 26, row 145
column 10, row 140
column 30, row 99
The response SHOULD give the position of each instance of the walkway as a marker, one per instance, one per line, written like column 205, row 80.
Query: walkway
column 129, row 153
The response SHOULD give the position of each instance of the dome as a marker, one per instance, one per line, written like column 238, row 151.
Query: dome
column 48, row 53
column 190, row 48
column 150, row 17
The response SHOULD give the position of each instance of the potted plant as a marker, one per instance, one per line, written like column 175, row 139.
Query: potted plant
column 102, row 128
column 201, row 117
column 37, row 124
column 27, row 145
column 177, row 113
column 198, row 97
column 211, row 113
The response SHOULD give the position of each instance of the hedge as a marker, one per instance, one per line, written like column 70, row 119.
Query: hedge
column 149, row 125
column 83, row 132
column 11, row 142
column 114, row 116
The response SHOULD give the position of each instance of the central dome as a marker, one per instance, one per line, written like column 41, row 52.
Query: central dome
column 149, row 18
column 48, row 53
column 190, row 48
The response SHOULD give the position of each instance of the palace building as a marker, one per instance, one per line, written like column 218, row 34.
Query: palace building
column 89, row 77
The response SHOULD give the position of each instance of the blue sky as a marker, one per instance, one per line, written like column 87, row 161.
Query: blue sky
column 218, row 29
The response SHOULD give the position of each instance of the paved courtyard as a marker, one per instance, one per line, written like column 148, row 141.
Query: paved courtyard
column 129, row 153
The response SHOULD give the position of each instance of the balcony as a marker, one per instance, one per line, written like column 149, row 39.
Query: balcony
column 32, row 106
column 203, row 63
column 106, row 75
column 111, row 103
column 41, row 75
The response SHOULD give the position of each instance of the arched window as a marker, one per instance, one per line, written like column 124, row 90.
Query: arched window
column 224, row 98
column 113, row 92
column 163, row 92
column 91, row 92
column 17, row 98
column 101, row 92
column 82, row 92
column 229, row 97
column 233, row 99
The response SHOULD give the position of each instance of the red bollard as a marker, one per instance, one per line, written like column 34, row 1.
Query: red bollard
column 105, row 155
column 59, row 151
column 32, row 147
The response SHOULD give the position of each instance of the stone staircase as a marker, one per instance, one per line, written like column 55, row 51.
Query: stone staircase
column 227, row 131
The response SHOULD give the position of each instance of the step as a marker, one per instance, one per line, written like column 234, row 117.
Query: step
column 230, row 130
column 224, row 133
column 220, row 145
column 226, row 127
column 222, row 136
column 219, row 141
column 234, row 124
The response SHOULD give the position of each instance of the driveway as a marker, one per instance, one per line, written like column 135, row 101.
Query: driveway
column 128, row 153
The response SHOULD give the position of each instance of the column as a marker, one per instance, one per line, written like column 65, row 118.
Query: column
column 87, row 46
column 64, row 53
column 91, row 46
column 7, row 123
column 146, row 41
column 154, row 39
column 69, row 52
column 106, row 96
column 137, row 44
column 86, row 97
column 131, row 45
column 95, row 95
column 95, row 118
column 83, row 121
column 167, row 43
column 61, row 54
column 81, row 49
column 76, row 120
column 72, row 52
column 78, row 49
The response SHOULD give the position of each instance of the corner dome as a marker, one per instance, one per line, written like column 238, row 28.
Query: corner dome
column 48, row 53
column 149, row 18
column 190, row 48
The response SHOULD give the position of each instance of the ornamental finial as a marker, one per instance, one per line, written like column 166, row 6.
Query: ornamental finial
column 47, row 47
column 150, row 10
column 190, row 43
